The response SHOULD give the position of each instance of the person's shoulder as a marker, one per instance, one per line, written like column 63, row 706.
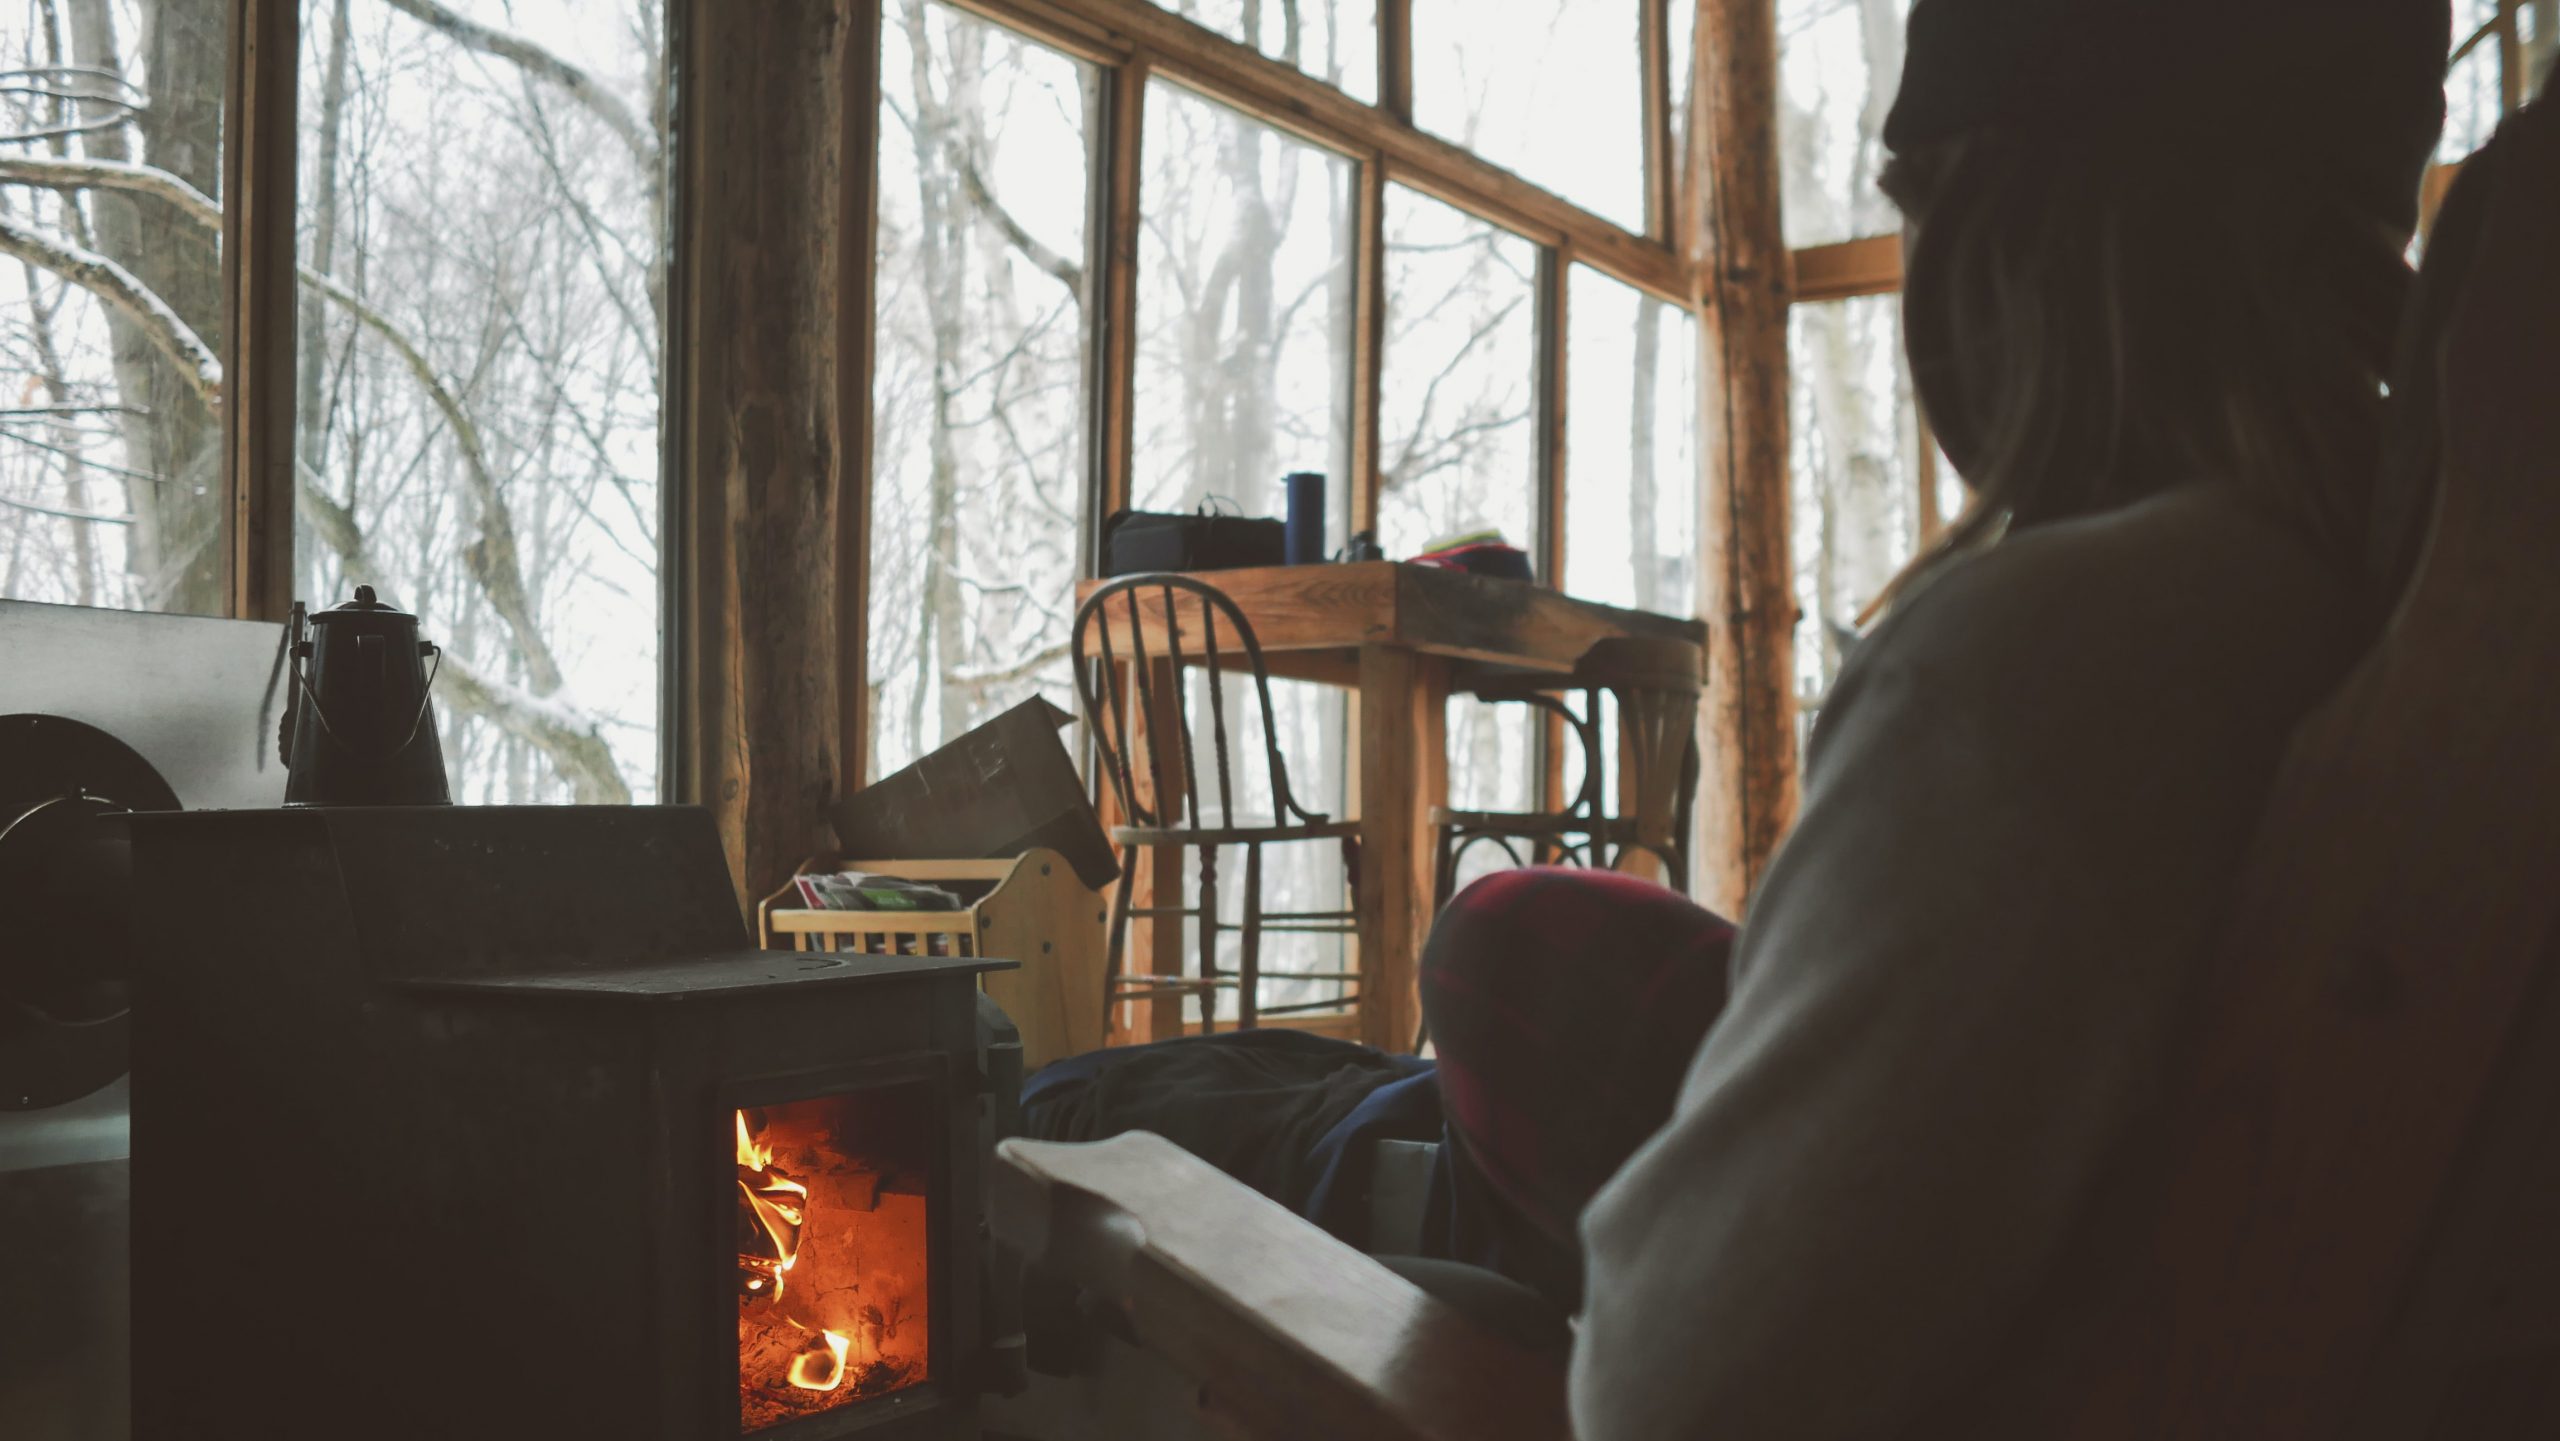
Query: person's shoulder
column 2192, row 580
column 2188, row 601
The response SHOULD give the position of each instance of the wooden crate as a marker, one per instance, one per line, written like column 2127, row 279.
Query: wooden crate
column 1030, row 909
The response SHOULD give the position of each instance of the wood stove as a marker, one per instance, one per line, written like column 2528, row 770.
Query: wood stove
column 487, row 1122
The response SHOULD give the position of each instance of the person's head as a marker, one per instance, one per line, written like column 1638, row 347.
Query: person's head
column 2155, row 243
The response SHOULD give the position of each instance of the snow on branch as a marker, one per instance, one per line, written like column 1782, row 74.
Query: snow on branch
column 113, row 175
column 572, row 739
column 493, row 558
column 117, row 286
column 580, row 84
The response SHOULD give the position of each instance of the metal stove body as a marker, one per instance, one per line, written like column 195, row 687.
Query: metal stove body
column 442, row 1123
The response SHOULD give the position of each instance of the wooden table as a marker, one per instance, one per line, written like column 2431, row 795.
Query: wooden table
column 1401, row 637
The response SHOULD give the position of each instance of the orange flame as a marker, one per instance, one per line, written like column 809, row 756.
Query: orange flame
column 821, row 1368
column 780, row 1206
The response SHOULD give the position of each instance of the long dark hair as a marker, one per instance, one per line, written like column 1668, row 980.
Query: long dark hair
column 2087, row 331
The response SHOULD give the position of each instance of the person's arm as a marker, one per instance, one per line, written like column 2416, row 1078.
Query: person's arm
column 1956, row 991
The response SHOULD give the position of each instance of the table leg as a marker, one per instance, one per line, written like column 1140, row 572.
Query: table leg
column 1404, row 772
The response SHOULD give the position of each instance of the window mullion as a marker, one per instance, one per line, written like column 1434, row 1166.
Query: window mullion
column 258, row 276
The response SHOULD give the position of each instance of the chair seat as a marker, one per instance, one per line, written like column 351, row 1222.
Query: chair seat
column 1232, row 835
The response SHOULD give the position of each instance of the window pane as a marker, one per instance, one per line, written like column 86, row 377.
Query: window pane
column 1335, row 41
column 978, row 503
column 1631, row 471
column 1840, row 62
column 1244, row 362
column 1550, row 89
column 1458, row 435
column 2474, row 93
column 480, row 373
column 1860, row 485
column 1244, row 311
column 111, row 440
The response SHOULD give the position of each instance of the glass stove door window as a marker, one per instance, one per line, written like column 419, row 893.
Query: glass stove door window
column 477, row 425
column 110, row 434
column 1551, row 89
column 979, row 499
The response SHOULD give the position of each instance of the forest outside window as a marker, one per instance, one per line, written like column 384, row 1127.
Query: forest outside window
column 1839, row 63
column 1336, row 41
column 482, row 228
column 1551, row 90
column 1867, row 496
column 1459, row 434
column 1244, row 311
column 112, row 308
column 1245, row 315
column 1631, row 492
column 981, row 509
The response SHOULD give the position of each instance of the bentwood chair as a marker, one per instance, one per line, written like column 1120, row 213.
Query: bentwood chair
column 1139, row 644
column 1655, row 684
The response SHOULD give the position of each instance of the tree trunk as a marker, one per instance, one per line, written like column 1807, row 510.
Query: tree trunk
column 1644, row 490
column 174, row 550
column 321, row 185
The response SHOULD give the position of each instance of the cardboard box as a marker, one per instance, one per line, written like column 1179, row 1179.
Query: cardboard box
column 1007, row 787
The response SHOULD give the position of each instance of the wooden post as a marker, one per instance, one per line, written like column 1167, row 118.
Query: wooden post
column 857, row 325
column 770, row 444
column 1661, row 188
column 1115, row 391
column 1395, row 58
column 1746, row 579
column 258, row 255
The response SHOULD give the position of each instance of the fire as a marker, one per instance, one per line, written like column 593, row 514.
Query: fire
column 826, row 1199
column 821, row 1367
column 780, row 1206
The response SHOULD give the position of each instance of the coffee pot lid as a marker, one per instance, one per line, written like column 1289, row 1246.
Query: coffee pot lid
column 365, row 603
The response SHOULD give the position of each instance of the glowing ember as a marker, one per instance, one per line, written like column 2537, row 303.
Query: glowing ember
column 821, row 1367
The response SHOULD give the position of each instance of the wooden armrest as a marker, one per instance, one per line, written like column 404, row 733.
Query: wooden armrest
column 1290, row 1333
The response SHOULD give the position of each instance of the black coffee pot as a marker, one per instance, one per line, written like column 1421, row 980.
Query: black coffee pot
column 357, row 728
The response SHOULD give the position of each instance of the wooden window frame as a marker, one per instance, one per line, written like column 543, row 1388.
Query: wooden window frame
column 1133, row 43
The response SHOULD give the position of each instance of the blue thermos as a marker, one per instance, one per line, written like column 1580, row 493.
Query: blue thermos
column 1304, row 544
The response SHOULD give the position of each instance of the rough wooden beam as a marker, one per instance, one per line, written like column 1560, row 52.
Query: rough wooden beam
column 765, row 427
column 857, row 261
column 1746, row 574
column 1850, row 269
